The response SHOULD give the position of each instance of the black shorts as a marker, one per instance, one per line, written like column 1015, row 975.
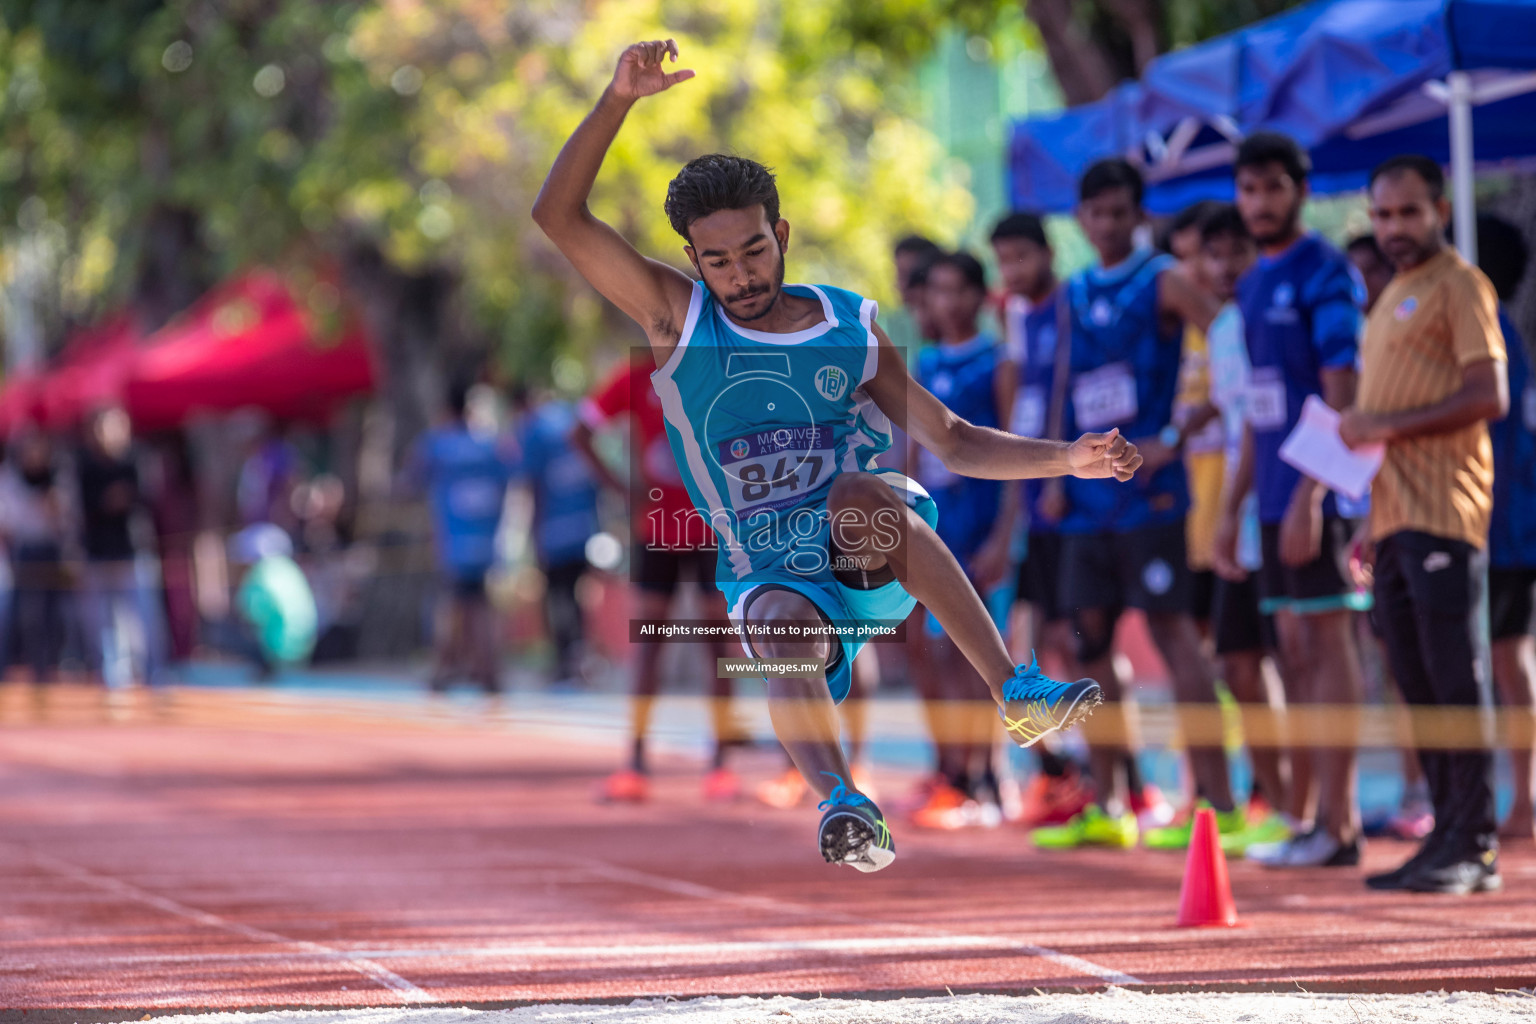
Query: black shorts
column 1237, row 625
column 1322, row 585
column 1202, row 594
column 1511, row 603
column 658, row 570
column 1145, row 568
column 465, row 583
column 1040, row 575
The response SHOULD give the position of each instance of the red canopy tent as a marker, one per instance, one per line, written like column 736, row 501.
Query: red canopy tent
column 246, row 344
column 21, row 402
column 91, row 372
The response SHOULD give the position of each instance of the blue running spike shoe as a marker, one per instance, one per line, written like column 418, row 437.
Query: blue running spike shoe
column 853, row 830
column 1037, row 704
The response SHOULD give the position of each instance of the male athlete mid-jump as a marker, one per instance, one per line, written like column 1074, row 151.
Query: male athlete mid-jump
column 777, row 399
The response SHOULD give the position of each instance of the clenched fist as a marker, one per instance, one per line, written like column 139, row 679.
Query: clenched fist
column 1094, row 456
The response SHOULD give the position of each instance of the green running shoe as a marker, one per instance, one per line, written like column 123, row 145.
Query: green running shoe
column 1176, row 837
column 1273, row 829
column 1090, row 828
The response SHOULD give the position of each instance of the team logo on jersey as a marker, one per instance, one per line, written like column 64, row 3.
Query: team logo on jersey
column 832, row 382
column 1102, row 312
column 740, row 449
column 1284, row 294
column 1406, row 308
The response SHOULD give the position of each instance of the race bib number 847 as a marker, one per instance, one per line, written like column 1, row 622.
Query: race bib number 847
column 775, row 467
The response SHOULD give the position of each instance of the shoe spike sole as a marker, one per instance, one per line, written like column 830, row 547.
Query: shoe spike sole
column 850, row 839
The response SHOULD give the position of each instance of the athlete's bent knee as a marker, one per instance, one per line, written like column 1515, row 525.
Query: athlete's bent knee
column 859, row 490
column 791, row 627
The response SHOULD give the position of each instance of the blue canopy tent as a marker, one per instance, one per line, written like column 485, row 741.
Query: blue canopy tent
column 1355, row 81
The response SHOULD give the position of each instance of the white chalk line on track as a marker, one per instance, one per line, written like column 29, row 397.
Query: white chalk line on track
column 366, row 960
column 409, row 992
column 918, row 932
column 916, row 937
column 731, row 952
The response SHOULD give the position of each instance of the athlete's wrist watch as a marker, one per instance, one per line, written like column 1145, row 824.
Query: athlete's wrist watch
column 1170, row 436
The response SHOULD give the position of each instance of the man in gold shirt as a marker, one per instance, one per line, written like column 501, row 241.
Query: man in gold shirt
column 1433, row 372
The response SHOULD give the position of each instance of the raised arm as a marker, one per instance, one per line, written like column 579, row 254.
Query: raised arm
column 982, row 452
column 653, row 294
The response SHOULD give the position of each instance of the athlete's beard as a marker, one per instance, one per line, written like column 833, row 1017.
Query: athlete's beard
column 775, row 289
column 1289, row 228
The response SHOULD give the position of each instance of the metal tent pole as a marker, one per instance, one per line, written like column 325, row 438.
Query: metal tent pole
column 1463, row 204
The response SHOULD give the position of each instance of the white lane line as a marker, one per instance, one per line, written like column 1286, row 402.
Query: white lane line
column 384, row 976
column 918, row 938
column 730, row 952
column 694, row 890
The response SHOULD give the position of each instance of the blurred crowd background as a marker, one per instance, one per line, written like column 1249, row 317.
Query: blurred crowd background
column 277, row 234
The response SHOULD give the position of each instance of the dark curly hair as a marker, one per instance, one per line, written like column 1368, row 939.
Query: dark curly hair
column 718, row 182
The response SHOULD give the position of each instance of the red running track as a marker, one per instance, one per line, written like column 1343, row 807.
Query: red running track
column 241, row 856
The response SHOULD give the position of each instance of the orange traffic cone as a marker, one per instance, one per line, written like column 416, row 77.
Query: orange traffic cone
column 1205, row 898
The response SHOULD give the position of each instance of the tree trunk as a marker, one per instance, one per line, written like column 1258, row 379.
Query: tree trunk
column 1143, row 22
column 409, row 319
column 1081, row 67
column 1093, row 44
column 173, row 266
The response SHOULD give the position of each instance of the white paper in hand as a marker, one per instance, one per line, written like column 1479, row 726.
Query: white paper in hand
column 1316, row 449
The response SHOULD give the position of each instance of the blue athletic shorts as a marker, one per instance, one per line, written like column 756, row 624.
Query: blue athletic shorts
column 856, row 614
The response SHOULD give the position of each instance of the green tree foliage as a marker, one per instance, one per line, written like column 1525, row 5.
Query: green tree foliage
column 292, row 130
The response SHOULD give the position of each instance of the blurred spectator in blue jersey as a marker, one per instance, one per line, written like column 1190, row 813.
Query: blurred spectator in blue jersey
column 1502, row 254
column 1301, row 317
column 465, row 474
column 564, row 516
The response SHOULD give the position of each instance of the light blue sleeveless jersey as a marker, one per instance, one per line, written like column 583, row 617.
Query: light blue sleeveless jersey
column 761, row 424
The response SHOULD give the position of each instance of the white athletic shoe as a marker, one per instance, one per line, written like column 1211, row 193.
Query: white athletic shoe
column 1314, row 849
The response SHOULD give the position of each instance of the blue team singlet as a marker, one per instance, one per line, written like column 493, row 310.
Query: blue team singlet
column 1035, row 354
column 761, row 424
column 1301, row 315
column 1512, row 532
column 963, row 377
column 1124, row 373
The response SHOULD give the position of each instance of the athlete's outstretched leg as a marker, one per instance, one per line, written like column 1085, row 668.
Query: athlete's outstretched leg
column 804, row 716
column 852, row 831
column 870, row 521
column 925, row 567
